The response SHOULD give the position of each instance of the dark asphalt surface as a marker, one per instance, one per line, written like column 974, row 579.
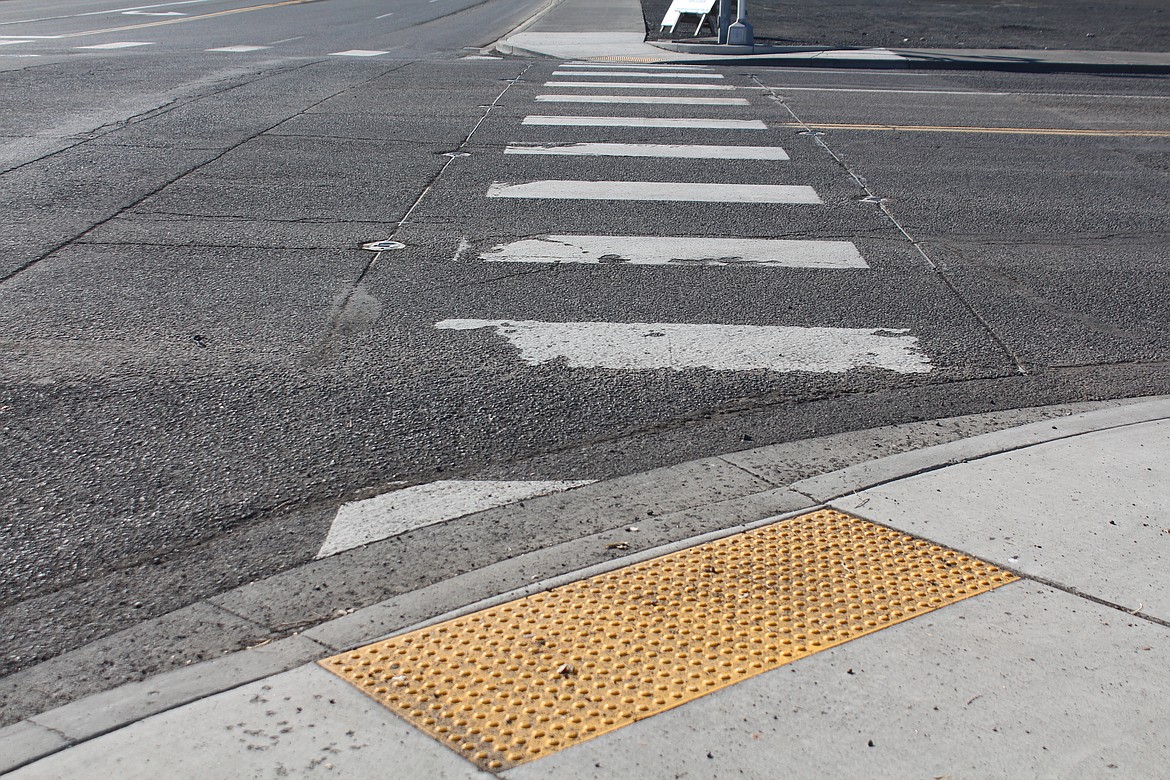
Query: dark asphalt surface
column 1137, row 25
column 197, row 363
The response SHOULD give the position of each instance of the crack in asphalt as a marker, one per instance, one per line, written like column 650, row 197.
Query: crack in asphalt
column 173, row 180
column 181, row 216
column 322, row 353
column 888, row 212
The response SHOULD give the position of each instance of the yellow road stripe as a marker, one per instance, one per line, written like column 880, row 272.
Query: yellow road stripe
column 524, row 679
column 965, row 129
column 186, row 18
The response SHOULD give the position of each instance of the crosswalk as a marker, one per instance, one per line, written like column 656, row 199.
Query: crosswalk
column 666, row 344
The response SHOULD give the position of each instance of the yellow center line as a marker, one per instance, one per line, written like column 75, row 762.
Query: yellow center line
column 966, row 129
column 144, row 25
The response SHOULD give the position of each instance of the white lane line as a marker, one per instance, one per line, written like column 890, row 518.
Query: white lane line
column 238, row 49
column 118, row 45
column 684, row 100
column 680, row 250
column 101, row 13
column 287, row 40
column 633, row 74
column 647, row 346
column 153, row 13
column 628, row 85
column 689, row 151
column 362, row 522
column 646, row 121
column 358, row 53
column 383, row 16
column 691, row 192
column 6, row 43
column 631, row 66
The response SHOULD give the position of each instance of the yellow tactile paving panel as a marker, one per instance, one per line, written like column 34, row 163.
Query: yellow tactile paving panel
column 530, row 677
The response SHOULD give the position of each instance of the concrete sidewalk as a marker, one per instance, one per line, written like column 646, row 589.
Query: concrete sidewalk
column 614, row 30
column 1057, row 668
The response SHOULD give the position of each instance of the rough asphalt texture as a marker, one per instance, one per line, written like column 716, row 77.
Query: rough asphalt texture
column 1143, row 25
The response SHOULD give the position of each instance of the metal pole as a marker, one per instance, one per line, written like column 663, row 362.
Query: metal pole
column 740, row 33
column 725, row 17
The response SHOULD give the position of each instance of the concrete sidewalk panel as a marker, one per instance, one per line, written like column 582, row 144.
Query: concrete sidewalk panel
column 1024, row 681
column 303, row 723
column 826, row 487
column 1089, row 513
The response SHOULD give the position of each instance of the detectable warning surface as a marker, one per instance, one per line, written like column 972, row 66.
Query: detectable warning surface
column 533, row 676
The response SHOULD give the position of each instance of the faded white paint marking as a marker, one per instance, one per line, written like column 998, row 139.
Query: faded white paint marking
column 679, row 250
column 629, row 85
column 6, row 43
column 646, row 121
column 238, row 49
column 119, row 45
column 684, row 100
column 153, row 13
column 383, row 16
column 657, row 191
column 358, row 53
column 374, row 519
column 633, row 74
column 688, row 151
column 646, row 346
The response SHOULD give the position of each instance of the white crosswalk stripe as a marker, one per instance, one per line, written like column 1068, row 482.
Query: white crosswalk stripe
column 643, row 99
column 630, row 66
column 679, row 250
column 687, row 151
column 635, row 74
column 701, row 192
column 646, row 121
column 640, row 346
column 632, row 85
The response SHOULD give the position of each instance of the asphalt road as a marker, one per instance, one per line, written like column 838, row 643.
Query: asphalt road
column 199, row 362
column 1132, row 25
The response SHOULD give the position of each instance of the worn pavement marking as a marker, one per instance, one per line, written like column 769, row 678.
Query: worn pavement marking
column 680, row 250
column 373, row 519
column 687, row 151
column 641, row 346
column 646, row 121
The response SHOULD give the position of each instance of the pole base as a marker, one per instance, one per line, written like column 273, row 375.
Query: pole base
column 740, row 34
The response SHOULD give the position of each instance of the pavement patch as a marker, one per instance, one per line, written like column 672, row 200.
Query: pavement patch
column 530, row 677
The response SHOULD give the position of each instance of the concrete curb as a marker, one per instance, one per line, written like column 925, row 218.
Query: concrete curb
column 44, row 734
